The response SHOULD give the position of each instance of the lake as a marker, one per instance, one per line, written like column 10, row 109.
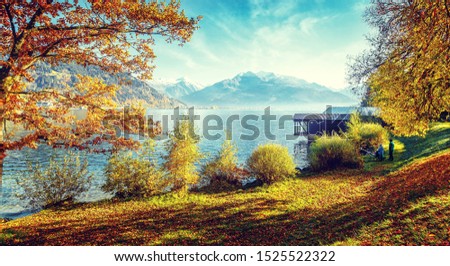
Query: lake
column 248, row 130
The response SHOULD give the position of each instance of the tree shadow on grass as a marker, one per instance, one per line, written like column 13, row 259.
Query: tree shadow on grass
column 239, row 222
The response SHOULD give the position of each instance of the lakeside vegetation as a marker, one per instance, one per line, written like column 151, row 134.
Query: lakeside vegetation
column 345, row 198
column 370, row 206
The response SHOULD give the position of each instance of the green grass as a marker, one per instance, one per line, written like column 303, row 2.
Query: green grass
column 413, row 149
column 437, row 140
column 409, row 206
column 259, row 216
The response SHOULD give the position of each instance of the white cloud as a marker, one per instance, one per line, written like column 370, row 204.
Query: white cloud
column 305, row 45
column 307, row 25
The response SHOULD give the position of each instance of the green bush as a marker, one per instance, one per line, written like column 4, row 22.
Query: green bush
column 59, row 182
column 271, row 162
column 223, row 168
column 331, row 152
column 133, row 175
column 366, row 135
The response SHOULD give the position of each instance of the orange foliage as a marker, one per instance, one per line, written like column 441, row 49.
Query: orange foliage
column 117, row 36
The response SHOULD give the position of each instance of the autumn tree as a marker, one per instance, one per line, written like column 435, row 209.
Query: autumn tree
column 183, row 154
column 116, row 36
column 407, row 69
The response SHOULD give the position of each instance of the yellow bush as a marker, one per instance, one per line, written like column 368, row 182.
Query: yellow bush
column 130, row 175
column 183, row 154
column 331, row 152
column 224, row 166
column 271, row 162
column 366, row 135
column 373, row 135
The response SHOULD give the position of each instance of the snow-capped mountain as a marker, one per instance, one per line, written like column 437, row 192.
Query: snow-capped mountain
column 176, row 89
column 262, row 89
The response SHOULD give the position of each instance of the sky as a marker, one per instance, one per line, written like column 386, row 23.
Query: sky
column 308, row 39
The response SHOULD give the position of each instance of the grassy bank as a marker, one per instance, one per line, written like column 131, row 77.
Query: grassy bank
column 408, row 206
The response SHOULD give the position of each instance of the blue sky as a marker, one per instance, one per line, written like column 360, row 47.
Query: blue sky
column 308, row 39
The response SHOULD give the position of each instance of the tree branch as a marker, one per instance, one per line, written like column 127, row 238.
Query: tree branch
column 32, row 21
column 80, row 27
column 59, row 95
column 112, row 27
column 20, row 40
column 13, row 28
column 447, row 8
column 30, row 92
column 53, row 45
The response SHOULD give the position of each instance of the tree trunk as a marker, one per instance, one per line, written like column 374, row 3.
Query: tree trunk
column 2, row 155
column 2, row 150
column 3, row 75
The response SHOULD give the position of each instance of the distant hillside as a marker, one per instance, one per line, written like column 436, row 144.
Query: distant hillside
column 176, row 89
column 62, row 75
column 350, row 93
column 263, row 89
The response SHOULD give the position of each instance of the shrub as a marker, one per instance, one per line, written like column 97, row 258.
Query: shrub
column 224, row 168
column 372, row 135
column 366, row 135
column 271, row 162
column 353, row 128
column 183, row 154
column 331, row 152
column 133, row 175
column 61, row 181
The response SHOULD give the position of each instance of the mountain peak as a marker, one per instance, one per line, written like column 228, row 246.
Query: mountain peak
column 257, row 74
column 246, row 74
column 182, row 80
column 264, row 88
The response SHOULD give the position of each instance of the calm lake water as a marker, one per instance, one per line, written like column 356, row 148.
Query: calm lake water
column 247, row 127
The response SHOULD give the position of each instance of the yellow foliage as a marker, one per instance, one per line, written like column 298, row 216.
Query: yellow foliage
column 366, row 135
column 224, row 166
column 412, row 86
column 183, row 154
column 271, row 162
column 130, row 175
column 331, row 152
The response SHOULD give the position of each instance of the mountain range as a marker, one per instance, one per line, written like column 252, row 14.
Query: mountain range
column 264, row 89
column 247, row 89
column 176, row 89
column 130, row 88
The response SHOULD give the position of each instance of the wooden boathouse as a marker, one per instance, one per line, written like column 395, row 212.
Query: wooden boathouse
column 334, row 119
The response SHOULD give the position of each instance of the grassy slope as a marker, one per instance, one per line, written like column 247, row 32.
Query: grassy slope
column 413, row 149
column 409, row 206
